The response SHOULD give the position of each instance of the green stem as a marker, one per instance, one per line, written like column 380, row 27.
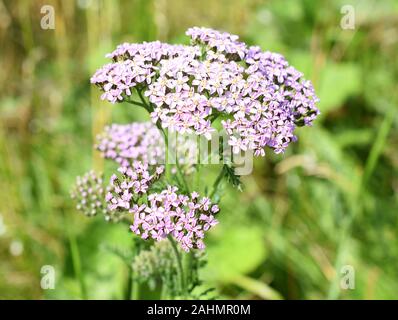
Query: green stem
column 135, row 294
column 198, row 167
column 77, row 267
column 163, row 292
column 129, row 287
column 180, row 269
column 188, row 262
column 166, row 158
column 197, row 176
column 137, row 103
column 184, row 181
column 148, row 105
column 179, row 170
column 217, row 182
column 150, row 109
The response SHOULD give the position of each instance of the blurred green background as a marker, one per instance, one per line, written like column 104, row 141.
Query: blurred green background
column 329, row 201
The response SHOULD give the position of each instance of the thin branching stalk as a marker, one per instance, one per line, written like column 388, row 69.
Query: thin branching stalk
column 149, row 108
column 137, row 103
column 77, row 266
column 217, row 183
column 180, row 269
column 129, row 287
column 184, row 181
column 135, row 294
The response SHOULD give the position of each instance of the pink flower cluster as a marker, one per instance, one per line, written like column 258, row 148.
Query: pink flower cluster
column 186, row 218
column 138, row 141
column 223, row 42
column 260, row 98
column 134, row 65
column 142, row 141
column 134, row 182
column 157, row 215
column 150, row 52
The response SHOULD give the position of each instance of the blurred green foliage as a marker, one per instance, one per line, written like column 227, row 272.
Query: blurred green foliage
column 330, row 201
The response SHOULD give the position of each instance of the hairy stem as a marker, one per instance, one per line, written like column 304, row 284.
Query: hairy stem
column 188, row 261
column 135, row 294
column 148, row 105
column 217, row 183
column 129, row 287
column 77, row 266
column 184, row 181
column 180, row 269
column 137, row 103
column 166, row 158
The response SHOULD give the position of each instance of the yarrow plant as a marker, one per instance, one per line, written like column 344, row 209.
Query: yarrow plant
column 217, row 83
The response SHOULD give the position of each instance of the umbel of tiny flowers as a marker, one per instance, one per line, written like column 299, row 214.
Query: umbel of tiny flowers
column 89, row 193
column 142, row 141
column 186, row 218
column 133, row 184
column 138, row 141
column 158, row 215
column 259, row 96
column 158, row 263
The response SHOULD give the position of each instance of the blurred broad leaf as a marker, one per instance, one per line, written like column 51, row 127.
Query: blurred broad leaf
column 338, row 82
column 237, row 250
column 302, row 61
